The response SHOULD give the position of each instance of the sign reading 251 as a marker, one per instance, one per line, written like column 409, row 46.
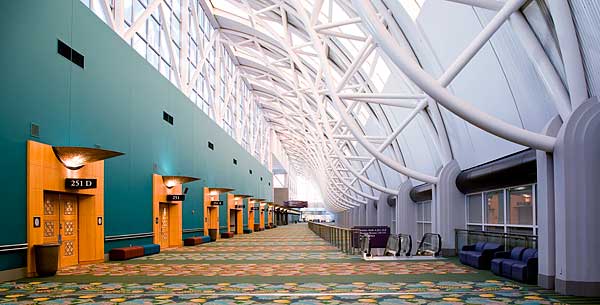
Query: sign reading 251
column 80, row 183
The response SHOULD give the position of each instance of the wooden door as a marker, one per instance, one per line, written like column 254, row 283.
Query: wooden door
column 250, row 219
column 163, row 212
column 51, row 218
column 232, row 221
column 239, row 221
column 61, row 226
column 262, row 219
column 213, row 218
column 69, row 229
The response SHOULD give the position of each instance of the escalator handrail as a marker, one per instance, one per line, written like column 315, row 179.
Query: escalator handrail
column 408, row 253
column 437, row 253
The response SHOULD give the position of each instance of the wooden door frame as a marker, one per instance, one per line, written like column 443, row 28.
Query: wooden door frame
column 159, row 195
column 46, row 173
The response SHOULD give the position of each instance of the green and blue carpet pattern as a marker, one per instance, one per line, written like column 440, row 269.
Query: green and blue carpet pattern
column 286, row 265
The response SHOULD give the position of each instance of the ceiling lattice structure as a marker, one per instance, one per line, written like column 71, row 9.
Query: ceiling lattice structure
column 317, row 71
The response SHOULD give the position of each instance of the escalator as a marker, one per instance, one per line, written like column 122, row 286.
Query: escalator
column 430, row 245
column 399, row 247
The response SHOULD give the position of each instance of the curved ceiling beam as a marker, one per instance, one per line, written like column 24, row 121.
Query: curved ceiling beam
column 433, row 88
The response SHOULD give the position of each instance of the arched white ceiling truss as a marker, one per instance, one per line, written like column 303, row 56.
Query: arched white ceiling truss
column 338, row 83
column 312, row 66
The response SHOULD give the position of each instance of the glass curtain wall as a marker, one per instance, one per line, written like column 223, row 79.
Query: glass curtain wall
column 215, row 85
column 508, row 210
column 423, row 218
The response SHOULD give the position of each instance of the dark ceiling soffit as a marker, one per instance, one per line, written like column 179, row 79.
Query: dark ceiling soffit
column 516, row 169
column 421, row 192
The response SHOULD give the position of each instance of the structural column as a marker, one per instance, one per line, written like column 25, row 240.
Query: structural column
column 362, row 215
column 577, row 207
column 383, row 211
column 447, row 207
column 356, row 216
column 371, row 213
column 545, row 211
column 406, row 213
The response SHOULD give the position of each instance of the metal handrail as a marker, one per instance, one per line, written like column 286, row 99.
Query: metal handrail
column 337, row 236
column 508, row 240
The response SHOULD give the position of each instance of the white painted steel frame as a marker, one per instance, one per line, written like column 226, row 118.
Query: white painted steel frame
column 311, row 89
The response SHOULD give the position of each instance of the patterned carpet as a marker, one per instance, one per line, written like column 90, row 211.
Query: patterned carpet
column 286, row 265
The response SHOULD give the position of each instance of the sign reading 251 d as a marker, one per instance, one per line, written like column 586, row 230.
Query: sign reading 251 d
column 80, row 183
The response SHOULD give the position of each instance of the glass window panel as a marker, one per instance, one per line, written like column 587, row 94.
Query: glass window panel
column 427, row 211
column 175, row 53
column 173, row 78
column 419, row 212
column 526, row 231
column 539, row 18
column 153, row 33
column 474, row 228
column 142, row 30
column 193, row 52
column 474, row 208
column 128, row 11
column 176, row 7
column 139, row 45
column 153, row 58
column 494, row 229
column 156, row 14
column 97, row 9
column 138, row 8
column 520, row 209
column 164, row 48
column 427, row 228
column 165, row 68
column 175, row 33
column 494, row 207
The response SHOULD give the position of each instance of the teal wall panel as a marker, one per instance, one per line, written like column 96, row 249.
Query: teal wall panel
column 116, row 102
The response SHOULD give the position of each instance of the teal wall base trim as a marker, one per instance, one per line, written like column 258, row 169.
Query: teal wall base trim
column 193, row 230
column 128, row 236
column 127, row 243
column 12, row 248
column 13, row 274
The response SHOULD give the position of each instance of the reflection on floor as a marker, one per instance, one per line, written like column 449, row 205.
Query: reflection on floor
column 286, row 265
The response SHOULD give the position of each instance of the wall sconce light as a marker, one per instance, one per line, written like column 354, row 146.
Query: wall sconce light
column 214, row 192
column 241, row 196
column 171, row 181
column 74, row 158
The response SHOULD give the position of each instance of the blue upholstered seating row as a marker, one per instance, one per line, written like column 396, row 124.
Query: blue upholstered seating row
column 196, row 240
column 479, row 255
column 151, row 249
column 519, row 264
column 125, row 253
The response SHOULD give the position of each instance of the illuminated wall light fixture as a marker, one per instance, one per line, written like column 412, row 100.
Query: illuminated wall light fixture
column 74, row 157
column 171, row 181
column 214, row 192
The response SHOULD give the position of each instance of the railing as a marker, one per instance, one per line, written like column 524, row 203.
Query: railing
column 509, row 240
column 430, row 245
column 339, row 237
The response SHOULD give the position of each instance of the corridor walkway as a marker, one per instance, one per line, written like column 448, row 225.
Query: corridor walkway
column 286, row 265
